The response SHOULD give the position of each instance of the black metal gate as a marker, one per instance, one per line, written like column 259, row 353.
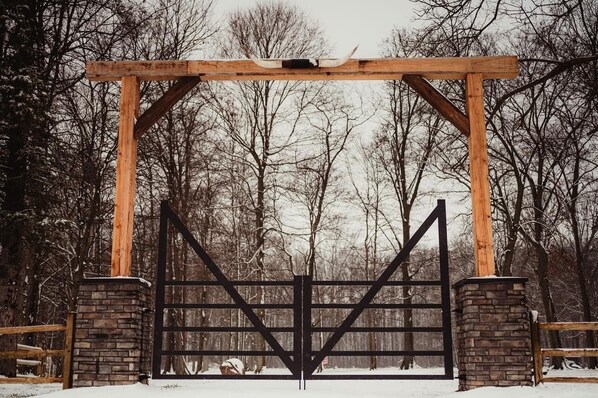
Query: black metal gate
column 300, row 358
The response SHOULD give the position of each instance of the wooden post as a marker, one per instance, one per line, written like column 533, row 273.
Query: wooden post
column 122, row 232
column 68, row 351
column 536, row 351
column 478, row 171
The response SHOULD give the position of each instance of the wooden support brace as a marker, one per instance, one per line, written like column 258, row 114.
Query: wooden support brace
column 164, row 104
column 478, row 170
column 122, row 232
column 442, row 104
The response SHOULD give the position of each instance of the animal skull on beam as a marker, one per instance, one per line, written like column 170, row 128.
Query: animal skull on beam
column 301, row 63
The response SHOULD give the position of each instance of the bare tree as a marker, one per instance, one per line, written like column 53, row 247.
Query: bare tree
column 177, row 159
column 316, row 184
column 42, row 46
column 577, row 194
column 261, row 120
column 370, row 200
column 406, row 142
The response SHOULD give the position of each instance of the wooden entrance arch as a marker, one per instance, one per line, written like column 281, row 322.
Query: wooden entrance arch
column 415, row 72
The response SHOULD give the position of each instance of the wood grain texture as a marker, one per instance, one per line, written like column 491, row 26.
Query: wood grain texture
column 31, row 353
column 31, row 329
column 30, row 380
column 569, row 326
column 442, row 104
column 536, row 352
column 570, row 352
column 67, row 359
column 478, row 171
column 498, row 67
column 122, row 231
column 164, row 104
column 571, row 379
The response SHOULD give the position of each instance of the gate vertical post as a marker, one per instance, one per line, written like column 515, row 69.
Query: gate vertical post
column 160, row 287
column 447, row 335
column 306, row 332
column 297, row 326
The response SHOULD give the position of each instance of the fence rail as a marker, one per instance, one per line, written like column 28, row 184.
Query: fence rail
column 540, row 353
column 36, row 352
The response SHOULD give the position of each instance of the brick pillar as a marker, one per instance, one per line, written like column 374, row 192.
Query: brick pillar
column 111, row 332
column 493, row 332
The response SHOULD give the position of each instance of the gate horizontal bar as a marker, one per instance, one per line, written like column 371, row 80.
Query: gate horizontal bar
column 290, row 283
column 209, row 329
column 223, row 352
column 378, row 377
column 383, row 353
column 227, row 377
column 369, row 283
column 237, row 283
column 226, row 306
column 379, row 306
column 429, row 329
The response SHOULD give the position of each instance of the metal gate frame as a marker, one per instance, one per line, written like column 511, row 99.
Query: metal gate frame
column 302, row 360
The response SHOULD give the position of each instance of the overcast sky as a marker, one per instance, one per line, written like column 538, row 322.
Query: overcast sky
column 347, row 23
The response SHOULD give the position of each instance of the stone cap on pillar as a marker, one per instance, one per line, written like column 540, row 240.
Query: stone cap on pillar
column 479, row 280
column 115, row 279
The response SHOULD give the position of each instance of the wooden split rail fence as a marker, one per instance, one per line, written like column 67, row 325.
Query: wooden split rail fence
column 540, row 353
column 38, row 353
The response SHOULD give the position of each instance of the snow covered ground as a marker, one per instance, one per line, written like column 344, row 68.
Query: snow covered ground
column 315, row 389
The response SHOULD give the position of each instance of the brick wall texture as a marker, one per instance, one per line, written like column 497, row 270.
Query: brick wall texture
column 112, row 332
column 493, row 333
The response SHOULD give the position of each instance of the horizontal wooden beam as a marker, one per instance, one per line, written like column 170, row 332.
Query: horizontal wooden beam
column 568, row 325
column 28, row 362
column 164, row 104
column 570, row 352
column 442, row 104
column 30, row 380
column 31, row 329
column 499, row 67
column 570, row 379
column 31, row 354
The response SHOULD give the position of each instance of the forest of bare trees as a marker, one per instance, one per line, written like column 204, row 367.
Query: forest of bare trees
column 277, row 179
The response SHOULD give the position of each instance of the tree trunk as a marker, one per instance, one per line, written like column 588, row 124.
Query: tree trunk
column 12, row 246
column 260, row 361
column 372, row 341
column 408, row 343
column 548, row 303
column 580, row 258
column 18, row 92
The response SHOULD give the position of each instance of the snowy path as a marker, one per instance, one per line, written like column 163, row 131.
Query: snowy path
column 289, row 389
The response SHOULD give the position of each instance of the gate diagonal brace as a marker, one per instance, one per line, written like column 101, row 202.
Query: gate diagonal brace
column 312, row 365
column 228, row 286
